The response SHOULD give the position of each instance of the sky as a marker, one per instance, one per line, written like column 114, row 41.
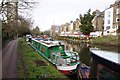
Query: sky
column 58, row 12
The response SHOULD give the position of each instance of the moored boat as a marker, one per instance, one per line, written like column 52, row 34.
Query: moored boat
column 105, row 65
column 65, row 61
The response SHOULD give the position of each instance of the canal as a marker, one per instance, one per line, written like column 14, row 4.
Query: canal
column 83, row 50
column 84, row 54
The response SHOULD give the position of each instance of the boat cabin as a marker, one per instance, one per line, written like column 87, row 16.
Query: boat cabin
column 66, row 58
column 105, row 64
column 46, row 49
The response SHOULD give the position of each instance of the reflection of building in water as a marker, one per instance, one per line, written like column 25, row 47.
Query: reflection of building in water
column 72, row 47
column 69, row 47
column 66, row 47
column 83, row 50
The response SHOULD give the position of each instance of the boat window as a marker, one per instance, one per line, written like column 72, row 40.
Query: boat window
column 39, row 47
column 57, row 53
column 53, row 57
column 60, row 61
column 104, row 72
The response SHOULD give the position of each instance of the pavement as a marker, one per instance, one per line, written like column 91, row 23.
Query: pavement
column 9, row 60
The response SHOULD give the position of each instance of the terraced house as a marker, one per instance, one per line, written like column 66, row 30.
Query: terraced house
column 98, row 23
column 70, row 29
column 112, row 19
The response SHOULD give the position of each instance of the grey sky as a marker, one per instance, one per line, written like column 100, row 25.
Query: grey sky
column 58, row 12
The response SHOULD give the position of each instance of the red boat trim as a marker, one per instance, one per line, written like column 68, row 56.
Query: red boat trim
column 66, row 71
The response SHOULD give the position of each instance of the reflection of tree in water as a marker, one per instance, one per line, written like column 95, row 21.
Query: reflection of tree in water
column 74, row 49
column 108, row 48
column 66, row 47
column 85, row 57
column 82, row 50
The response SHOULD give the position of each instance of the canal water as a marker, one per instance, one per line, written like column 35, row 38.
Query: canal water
column 84, row 54
column 83, row 50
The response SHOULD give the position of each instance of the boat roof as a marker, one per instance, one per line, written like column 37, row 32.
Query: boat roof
column 111, row 56
column 42, row 42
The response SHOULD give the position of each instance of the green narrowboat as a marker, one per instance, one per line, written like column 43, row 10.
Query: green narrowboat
column 65, row 61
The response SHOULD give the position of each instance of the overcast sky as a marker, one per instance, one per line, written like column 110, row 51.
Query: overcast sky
column 58, row 12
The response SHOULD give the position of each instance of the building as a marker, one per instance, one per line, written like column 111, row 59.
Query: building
column 112, row 19
column 117, row 15
column 55, row 29
column 62, row 29
column 76, row 28
column 70, row 29
column 108, row 21
column 98, row 21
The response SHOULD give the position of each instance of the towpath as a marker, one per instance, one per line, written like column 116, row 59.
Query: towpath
column 9, row 60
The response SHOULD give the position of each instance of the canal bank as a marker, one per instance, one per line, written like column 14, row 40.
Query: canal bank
column 31, row 64
column 107, row 40
column 104, row 40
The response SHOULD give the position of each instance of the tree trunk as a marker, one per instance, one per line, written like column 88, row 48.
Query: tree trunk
column 16, row 18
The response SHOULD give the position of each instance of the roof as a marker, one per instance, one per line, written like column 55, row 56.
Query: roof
column 111, row 56
column 45, row 43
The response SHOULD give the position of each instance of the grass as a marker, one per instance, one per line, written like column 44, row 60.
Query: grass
column 108, row 39
column 27, row 68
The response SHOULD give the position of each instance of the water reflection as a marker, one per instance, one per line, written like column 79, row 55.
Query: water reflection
column 83, row 50
column 85, row 56
column 108, row 48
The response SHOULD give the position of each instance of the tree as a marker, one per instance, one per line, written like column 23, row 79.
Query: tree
column 47, row 32
column 24, row 26
column 10, row 11
column 36, row 31
column 86, row 24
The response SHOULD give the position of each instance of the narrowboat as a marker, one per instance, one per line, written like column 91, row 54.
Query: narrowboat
column 65, row 61
column 28, row 38
column 105, row 65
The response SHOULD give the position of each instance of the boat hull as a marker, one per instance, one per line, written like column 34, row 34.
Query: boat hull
column 68, row 69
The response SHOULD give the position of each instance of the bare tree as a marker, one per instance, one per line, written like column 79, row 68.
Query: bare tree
column 9, row 14
column 15, row 7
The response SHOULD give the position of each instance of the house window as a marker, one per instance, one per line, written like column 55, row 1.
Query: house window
column 67, row 29
column 108, row 14
column 107, row 27
column 108, row 21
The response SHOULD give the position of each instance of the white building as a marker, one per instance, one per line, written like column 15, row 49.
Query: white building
column 108, row 21
column 112, row 19
column 117, row 14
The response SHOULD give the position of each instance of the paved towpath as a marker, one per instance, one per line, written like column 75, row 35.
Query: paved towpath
column 9, row 60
